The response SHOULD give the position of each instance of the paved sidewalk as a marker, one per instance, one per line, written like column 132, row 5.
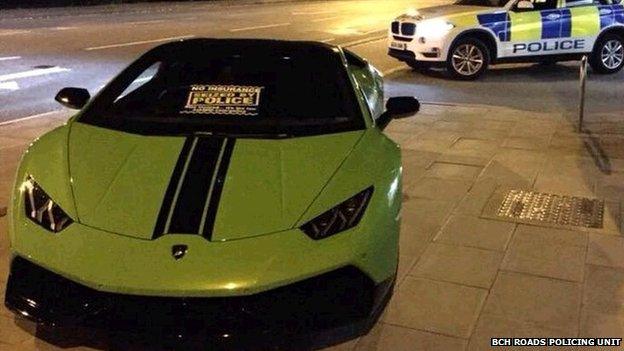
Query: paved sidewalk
column 467, row 274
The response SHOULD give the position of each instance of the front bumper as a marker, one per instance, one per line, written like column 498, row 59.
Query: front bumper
column 125, row 265
column 321, row 310
column 402, row 55
column 431, row 50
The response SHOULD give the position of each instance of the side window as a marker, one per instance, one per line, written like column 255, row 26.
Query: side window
column 576, row 3
column 369, row 81
column 538, row 5
column 141, row 80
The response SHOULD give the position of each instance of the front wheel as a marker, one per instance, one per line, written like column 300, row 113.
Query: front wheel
column 468, row 58
column 608, row 54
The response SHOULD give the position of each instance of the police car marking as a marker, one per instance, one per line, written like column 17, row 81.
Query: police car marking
column 545, row 46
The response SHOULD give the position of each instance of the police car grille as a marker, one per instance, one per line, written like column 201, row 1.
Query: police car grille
column 408, row 28
column 395, row 27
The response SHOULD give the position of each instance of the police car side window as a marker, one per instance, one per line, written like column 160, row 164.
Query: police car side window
column 576, row 3
column 538, row 5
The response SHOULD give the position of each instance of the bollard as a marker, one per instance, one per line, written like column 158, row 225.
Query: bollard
column 582, row 78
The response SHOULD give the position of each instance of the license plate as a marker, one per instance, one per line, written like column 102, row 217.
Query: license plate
column 398, row 45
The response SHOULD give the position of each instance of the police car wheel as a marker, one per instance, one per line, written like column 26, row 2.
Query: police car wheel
column 468, row 59
column 608, row 55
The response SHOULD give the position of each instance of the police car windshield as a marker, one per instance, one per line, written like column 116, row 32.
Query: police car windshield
column 266, row 89
column 486, row 3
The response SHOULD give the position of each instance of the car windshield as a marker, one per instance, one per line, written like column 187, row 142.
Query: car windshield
column 266, row 89
column 487, row 3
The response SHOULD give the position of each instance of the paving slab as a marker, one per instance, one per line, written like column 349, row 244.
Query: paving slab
column 527, row 143
column 420, row 221
column 12, row 333
column 574, row 186
column 606, row 250
column 568, row 165
column 549, row 303
column 547, row 252
column 391, row 337
column 458, row 264
column 406, row 126
column 449, row 170
column 406, row 263
column 427, row 144
column 604, row 291
column 439, row 307
column 417, row 159
column 451, row 126
column 597, row 324
column 512, row 165
column 439, row 188
column 476, row 144
column 464, row 157
column 476, row 232
column 345, row 346
column 478, row 197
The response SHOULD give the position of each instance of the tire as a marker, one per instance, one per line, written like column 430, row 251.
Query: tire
column 468, row 59
column 608, row 54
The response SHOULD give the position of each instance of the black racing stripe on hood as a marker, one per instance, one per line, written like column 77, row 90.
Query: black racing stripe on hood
column 195, row 189
column 215, row 197
column 165, row 208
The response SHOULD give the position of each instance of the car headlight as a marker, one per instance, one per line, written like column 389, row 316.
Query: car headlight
column 41, row 209
column 344, row 216
column 433, row 28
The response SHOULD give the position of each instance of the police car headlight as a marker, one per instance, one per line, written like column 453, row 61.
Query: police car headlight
column 434, row 28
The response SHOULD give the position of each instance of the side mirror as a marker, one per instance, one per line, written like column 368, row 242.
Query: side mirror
column 75, row 98
column 398, row 107
column 524, row 5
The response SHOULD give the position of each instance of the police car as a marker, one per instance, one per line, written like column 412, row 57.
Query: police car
column 471, row 34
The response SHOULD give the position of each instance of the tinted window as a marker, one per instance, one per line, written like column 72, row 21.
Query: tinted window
column 575, row 3
column 539, row 5
column 248, row 92
column 488, row 3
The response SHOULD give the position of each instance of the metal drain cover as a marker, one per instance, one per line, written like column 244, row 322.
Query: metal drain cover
column 553, row 209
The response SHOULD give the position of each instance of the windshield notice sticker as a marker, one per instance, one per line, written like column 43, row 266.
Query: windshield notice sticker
column 223, row 100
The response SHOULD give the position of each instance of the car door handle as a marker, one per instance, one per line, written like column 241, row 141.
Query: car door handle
column 553, row 16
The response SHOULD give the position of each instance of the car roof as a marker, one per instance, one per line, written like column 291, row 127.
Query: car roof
column 262, row 47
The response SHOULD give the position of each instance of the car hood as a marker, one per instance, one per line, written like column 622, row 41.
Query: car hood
column 443, row 11
column 221, row 188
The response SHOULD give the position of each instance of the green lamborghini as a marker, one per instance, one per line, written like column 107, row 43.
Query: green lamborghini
column 241, row 190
